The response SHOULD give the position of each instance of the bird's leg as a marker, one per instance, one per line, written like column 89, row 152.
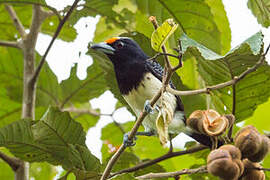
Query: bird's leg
column 171, row 145
column 148, row 108
column 128, row 142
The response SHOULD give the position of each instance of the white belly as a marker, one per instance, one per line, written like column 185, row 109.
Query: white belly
column 148, row 88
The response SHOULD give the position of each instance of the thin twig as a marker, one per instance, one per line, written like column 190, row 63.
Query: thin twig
column 14, row 163
column 201, row 169
column 59, row 28
column 13, row 44
column 221, row 85
column 84, row 111
column 162, row 54
column 16, row 20
column 159, row 159
column 261, row 168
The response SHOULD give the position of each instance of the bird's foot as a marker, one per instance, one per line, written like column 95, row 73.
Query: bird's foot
column 148, row 108
column 127, row 142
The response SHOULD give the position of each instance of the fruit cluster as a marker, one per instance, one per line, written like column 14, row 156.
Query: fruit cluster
column 230, row 162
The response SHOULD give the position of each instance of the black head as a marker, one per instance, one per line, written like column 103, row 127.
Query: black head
column 121, row 50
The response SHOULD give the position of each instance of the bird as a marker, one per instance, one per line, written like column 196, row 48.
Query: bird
column 139, row 80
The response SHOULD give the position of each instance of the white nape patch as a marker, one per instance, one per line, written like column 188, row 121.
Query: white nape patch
column 146, row 90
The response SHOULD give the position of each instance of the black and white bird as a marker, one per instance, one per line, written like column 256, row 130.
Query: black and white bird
column 139, row 80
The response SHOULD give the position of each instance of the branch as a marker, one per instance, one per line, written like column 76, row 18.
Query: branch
column 201, row 169
column 16, row 21
column 261, row 168
column 221, row 85
column 13, row 44
column 14, row 163
column 170, row 154
column 61, row 24
column 39, row 15
column 84, row 111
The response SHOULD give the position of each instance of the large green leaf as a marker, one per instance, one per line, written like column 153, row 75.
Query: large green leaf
column 56, row 138
column 195, row 18
column 204, row 21
column 213, row 69
column 49, row 91
column 24, row 12
column 260, row 9
column 96, row 7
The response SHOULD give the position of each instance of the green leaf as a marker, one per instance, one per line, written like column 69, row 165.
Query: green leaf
column 266, row 164
column 214, row 69
column 162, row 33
column 56, row 138
column 204, row 21
column 220, row 18
column 24, row 12
column 42, row 171
column 156, row 168
column 261, row 10
column 106, row 30
column 49, row 91
column 195, row 18
column 260, row 117
column 93, row 8
column 85, row 119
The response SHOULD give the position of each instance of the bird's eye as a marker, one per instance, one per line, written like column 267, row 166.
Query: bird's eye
column 120, row 45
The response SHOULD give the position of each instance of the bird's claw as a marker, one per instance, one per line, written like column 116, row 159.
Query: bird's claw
column 148, row 108
column 127, row 142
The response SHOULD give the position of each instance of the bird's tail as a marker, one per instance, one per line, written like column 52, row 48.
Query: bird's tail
column 204, row 139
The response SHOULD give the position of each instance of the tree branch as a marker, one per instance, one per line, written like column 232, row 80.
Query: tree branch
column 84, row 111
column 201, row 169
column 235, row 80
column 14, row 163
column 60, row 25
column 16, row 21
column 13, row 44
column 261, row 169
column 170, row 154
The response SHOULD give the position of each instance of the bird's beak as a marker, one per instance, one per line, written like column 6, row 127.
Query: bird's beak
column 103, row 47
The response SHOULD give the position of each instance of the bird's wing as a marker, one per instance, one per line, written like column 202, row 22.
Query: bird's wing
column 156, row 69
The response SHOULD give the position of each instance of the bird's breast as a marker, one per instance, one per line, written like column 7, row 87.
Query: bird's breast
column 147, row 89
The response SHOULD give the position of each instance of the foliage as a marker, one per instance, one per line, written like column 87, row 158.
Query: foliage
column 55, row 137
column 260, row 9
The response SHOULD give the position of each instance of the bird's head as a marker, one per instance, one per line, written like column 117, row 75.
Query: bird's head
column 121, row 50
